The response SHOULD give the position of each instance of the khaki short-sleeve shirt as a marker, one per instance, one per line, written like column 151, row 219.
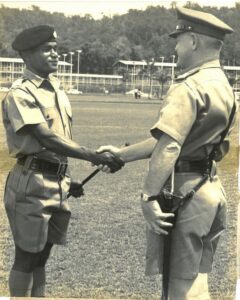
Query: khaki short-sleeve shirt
column 34, row 100
column 196, row 110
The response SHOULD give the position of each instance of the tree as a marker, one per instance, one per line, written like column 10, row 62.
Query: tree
column 136, row 35
column 162, row 77
column 122, row 46
column 237, row 5
column 173, row 4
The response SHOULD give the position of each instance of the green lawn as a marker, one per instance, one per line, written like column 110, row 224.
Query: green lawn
column 104, row 257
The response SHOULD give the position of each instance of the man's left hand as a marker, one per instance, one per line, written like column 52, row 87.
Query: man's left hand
column 76, row 190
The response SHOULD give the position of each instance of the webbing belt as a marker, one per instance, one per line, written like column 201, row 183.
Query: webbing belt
column 44, row 166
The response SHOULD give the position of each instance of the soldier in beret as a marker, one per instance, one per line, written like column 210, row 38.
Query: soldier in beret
column 37, row 118
column 185, row 142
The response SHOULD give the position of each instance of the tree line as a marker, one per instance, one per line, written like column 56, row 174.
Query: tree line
column 136, row 35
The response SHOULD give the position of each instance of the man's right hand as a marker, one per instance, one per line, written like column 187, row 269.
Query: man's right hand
column 112, row 161
column 108, row 148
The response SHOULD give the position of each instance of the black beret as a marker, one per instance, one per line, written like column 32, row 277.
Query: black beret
column 33, row 37
column 200, row 22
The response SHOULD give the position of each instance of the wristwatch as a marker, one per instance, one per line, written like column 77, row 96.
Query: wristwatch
column 146, row 198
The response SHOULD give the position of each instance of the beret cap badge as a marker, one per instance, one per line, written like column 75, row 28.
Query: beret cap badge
column 55, row 34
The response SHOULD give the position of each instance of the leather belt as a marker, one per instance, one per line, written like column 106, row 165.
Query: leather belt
column 197, row 166
column 44, row 166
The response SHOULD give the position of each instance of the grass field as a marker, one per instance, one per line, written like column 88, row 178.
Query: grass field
column 104, row 257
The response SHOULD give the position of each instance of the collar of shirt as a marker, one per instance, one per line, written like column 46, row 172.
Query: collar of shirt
column 205, row 65
column 37, row 80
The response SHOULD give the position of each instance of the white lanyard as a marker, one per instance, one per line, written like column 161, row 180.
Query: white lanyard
column 172, row 181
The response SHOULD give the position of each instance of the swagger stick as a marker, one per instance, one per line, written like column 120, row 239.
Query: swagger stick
column 238, row 256
column 238, row 227
column 167, row 245
column 94, row 173
column 85, row 180
column 166, row 264
column 91, row 175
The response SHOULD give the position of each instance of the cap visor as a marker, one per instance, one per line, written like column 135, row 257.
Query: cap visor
column 174, row 34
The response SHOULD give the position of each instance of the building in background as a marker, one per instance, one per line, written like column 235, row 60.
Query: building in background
column 12, row 68
column 152, row 78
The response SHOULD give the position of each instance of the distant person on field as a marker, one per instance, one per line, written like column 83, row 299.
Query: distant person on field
column 185, row 143
column 38, row 121
column 136, row 93
column 139, row 94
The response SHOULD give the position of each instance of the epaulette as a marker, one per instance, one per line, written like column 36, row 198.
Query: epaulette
column 186, row 75
column 18, row 83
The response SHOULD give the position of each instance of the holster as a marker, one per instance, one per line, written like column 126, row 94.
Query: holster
column 170, row 203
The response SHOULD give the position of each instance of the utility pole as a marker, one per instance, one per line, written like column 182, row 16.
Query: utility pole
column 78, row 66
column 71, row 54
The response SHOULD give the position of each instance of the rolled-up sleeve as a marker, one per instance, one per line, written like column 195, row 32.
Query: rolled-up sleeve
column 23, row 110
column 178, row 113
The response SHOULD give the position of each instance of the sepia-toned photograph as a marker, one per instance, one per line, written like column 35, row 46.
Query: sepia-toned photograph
column 119, row 149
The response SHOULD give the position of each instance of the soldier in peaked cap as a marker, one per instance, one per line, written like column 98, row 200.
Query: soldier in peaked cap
column 182, row 183
column 37, row 118
column 200, row 22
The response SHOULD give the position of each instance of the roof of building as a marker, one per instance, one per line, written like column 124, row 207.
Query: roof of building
column 231, row 68
column 125, row 62
column 98, row 76
column 144, row 63
column 19, row 60
column 10, row 59
column 165, row 64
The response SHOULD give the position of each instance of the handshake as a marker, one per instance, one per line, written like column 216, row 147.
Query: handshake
column 108, row 162
column 108, row 159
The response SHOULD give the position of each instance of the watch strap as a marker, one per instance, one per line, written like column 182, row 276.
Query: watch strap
column 147, row 198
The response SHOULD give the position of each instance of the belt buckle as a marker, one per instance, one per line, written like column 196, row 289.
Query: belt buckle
column 62, row 169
